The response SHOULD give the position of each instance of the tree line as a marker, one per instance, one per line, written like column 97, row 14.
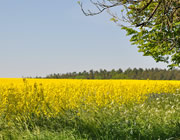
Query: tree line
column 141, row 74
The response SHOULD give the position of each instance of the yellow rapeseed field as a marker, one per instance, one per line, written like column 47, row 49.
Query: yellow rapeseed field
column 49, row 97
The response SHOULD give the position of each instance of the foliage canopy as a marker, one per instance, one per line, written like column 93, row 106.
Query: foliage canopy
column 154, row 25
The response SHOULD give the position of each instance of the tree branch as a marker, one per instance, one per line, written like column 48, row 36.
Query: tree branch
column 143, row 8
column 101, row 7
column 151, row 15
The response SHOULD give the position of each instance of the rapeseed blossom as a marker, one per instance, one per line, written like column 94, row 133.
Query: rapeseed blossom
column 50, row 97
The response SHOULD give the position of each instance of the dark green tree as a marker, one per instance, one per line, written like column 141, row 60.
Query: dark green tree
column 153, row 74
column 154, row 25
column 91, row 74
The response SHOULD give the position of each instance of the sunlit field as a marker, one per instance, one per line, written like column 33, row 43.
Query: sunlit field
column 89, row 109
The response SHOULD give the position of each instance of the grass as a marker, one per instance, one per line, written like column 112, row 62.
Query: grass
column 157, row 118
column 38, row 135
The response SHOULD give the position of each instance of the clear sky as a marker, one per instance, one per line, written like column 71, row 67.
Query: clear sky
column 40, row 37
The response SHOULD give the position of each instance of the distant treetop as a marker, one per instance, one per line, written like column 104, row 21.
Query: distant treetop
column 142, row 74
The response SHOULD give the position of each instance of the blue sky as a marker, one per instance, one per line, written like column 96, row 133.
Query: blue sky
column 40, row 37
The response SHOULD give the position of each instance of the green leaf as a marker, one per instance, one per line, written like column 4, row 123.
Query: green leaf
column 114, row 19
column 79, row 2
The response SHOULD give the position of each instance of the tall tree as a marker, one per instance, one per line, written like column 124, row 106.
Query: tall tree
column 154, row 25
